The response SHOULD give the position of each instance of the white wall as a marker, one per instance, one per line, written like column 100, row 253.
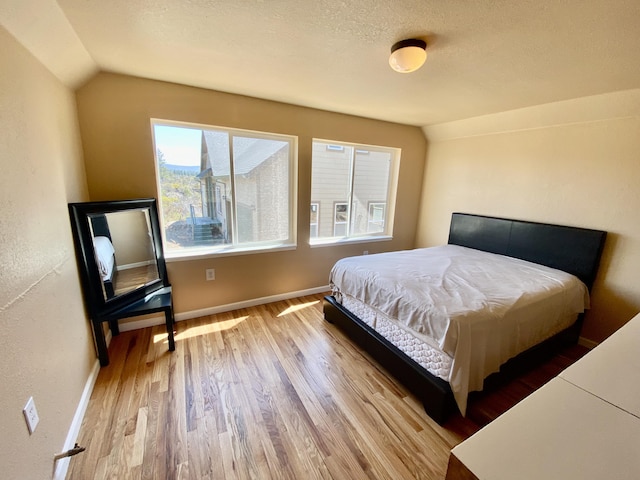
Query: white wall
column 575, row 163
column 46, row 347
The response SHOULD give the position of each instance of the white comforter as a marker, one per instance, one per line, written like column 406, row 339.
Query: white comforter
column 479, row 308
column 104, row 256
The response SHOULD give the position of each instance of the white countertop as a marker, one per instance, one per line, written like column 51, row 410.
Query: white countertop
column 583, row 424
column 611, row 371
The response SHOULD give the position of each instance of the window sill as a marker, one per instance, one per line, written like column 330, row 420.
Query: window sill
column 201, row 253
column 332, row 242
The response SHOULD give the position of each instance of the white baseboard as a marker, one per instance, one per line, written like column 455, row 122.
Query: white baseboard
column 159, row 320
column 62, row 465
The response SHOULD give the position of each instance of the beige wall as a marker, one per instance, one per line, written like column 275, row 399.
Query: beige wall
column 574, row 163
column 46, row 347
column 115, row 114
column 131, row 238
column 571, row 162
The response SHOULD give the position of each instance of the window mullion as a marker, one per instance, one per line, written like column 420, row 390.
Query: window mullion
column 352, row 161
column 232, row 180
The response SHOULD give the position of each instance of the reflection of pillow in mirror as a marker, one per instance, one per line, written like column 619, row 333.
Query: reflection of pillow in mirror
column 104, row 255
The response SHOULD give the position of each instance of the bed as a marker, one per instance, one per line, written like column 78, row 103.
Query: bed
column 505, row 292
column 105, row 253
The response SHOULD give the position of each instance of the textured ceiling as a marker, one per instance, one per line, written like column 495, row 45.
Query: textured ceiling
column 483, row 56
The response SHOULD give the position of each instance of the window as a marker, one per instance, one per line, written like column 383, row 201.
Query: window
column 353, row 187
column 223, row 190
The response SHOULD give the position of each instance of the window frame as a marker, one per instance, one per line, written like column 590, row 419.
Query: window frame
column 234, row 248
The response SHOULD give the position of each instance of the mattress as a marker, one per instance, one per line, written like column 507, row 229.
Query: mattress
column 477, row 308
column 428, row 356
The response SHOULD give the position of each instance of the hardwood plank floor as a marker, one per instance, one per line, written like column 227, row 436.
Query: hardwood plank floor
column 269, row 392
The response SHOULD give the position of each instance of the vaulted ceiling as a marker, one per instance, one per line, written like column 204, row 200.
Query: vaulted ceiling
column 483, row 56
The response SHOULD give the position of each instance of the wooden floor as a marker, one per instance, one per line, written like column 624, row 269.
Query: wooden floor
column 269, row 392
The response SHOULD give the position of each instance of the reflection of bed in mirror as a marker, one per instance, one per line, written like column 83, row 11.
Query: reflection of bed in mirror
column 105, row 253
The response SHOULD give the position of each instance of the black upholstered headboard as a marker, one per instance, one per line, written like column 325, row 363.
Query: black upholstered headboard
column 100, row 226
column 571, row 249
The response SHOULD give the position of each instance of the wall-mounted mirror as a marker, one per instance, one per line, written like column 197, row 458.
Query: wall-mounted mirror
column 119, row 252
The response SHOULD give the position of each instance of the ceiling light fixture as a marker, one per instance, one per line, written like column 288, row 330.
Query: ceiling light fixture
column 408, row 55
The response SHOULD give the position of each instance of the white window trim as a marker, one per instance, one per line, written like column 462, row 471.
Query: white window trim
column 336, row 241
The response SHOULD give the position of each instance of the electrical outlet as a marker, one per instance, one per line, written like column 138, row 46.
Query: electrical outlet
column 366, row 252
column 210, row 273
column 31, row 415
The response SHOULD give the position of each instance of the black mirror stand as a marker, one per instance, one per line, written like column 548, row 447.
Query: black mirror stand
column 158, row 301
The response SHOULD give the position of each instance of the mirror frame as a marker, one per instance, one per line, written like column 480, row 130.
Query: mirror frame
column 92, row 286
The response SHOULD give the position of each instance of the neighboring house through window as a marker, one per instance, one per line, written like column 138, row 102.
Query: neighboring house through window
column 313, row 223
column 224, row 190
column 340, row 219
column 376, row 217
column 354, row 188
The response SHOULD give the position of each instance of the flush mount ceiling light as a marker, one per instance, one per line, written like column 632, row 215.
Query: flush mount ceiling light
column 408, row 55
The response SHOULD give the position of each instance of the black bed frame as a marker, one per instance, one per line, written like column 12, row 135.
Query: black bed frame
column 571, row 249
